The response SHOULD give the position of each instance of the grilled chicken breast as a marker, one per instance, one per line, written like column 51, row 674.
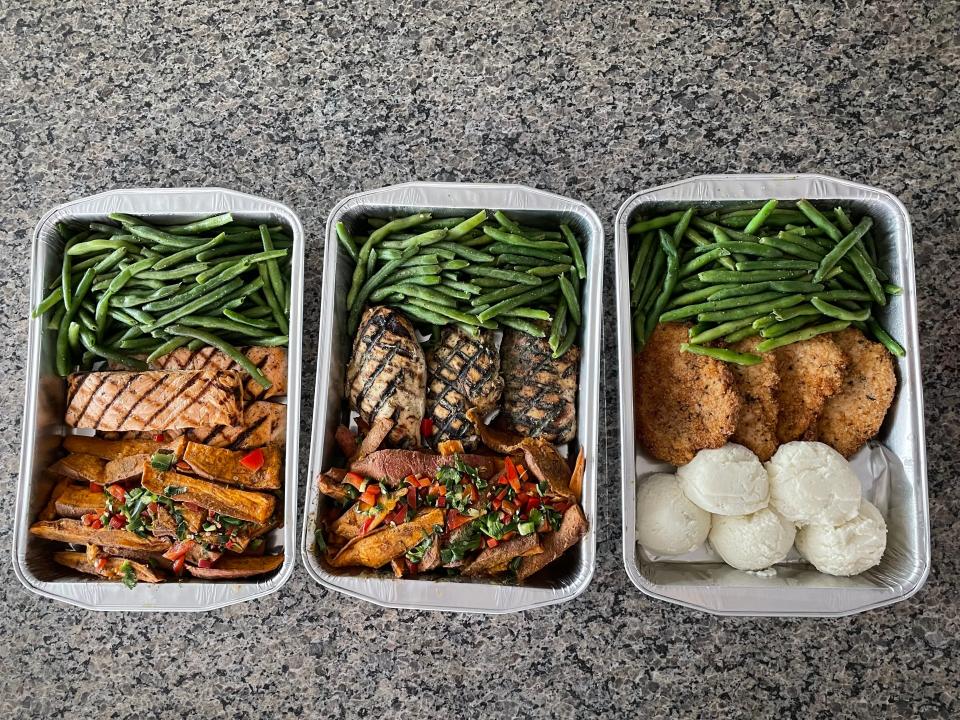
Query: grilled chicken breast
column 387, row 374
column 463, row 373
column 271, row 361
column 154, row 400
column 539, row 393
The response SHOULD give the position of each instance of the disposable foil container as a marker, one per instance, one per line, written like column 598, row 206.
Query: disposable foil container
column 892, row 468
column 46, row 395
column 566, row 577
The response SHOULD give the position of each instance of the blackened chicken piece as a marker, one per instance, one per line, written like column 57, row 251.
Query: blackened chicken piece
column 540, row 392
column 464, row 373
column 387, row 374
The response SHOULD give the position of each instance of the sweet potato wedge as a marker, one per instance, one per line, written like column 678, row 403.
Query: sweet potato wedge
column 493, row 558
column 225, row 466
column 331, row 484
column 576, row 478
column 78, row 500
column 49, row 511
column 237, row 566
column 374, row 438
column 165, row 525
column 348, row 524
column 346, row 441
column 81, row 466
column 572, row 528
column 130, row 467
column 75, row 532
column 241, row 504
column 378, row 548
column 109, row 449
column 112, row 570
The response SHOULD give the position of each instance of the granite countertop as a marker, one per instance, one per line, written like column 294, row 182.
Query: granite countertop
column 593, row 100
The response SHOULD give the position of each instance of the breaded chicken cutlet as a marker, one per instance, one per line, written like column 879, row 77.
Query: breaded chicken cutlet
column 759, row 387
column 810, row 372
column 855, row 413
column 684, row 402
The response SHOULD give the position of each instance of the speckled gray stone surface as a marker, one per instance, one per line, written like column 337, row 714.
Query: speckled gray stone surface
column 593, row 100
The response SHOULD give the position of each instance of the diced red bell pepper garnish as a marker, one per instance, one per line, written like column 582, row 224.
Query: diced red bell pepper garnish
column 506, row 517
column 529, row 488
column 184, row 466
column 443, row 489
column 521, row 499
column 521, row 472
column 153, row 508
column 434, row 489
column 491, row 543
column 368, row 498
column 424, row 482
column 561, row 507
column 159, row 437
column 351, row 478
column 96, row 487
column 179, row 549
column 253, row 460
column 532, row 502
column 502, row 480
column 178, row 565
column 412, row 498
column 373, row 489
column 96, row 523
column 426, row 427
column 515, row 484
column 118, row 522
column 496, row 503
column 510, row 468
column 501, row 495
column 455, row 519
column 441, row 502
column 410, row 480
column 397, row 517
column 100, row 563
column 365, row 526
column 88, row 519
column 204, row 563
column 118, row 492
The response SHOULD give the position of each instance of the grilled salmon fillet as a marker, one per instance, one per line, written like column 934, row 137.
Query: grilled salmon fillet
column 387, row 374
column 264, row 423
column 271, row 361
column 463, row 373
column 154, row 400
column 539, row 392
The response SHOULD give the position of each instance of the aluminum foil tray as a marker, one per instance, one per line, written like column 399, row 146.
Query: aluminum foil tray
column 892, row 468
column 566, row 577
column 46, row 394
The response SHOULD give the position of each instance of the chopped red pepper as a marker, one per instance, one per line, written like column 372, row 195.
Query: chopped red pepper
column 118, row 522
column 96, row 523
column 351, row 478
column 510, row 467
column 502, row 480
column 441, row 502
column 204, row 563
column 424, row 482
column 118, row 492
column 426, row 427
column 366, row 525
column 502, row 494
column 178, row 565
column 532, row 502
column 561, row 507
column 368, row 498
column 515, row 484
column 179, row 549
column 253, row 460
column 100, row 563
column 412, row 498
column 491, row 543
column 496, row 503
column 152, row 508
column 397, row 517
column 159, row 437
column 373, row 489
column 455, row 519
column 529, row 488
column 88, row 519
column 184, row 466
column 96, row 487
column 409, row 480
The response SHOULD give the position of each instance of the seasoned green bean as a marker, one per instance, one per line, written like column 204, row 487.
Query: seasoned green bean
column 760, row 308
column 656, row 223
column 720, row 331
column 733, row 276
column 779, row 264
column 787, row 326
column 461, row 229
column 681, row 313
column 820, row 220
column 518, row 240
column 757, row 221
column 518, row 323
column 842, row 248
column 224, row 347
column 802, row 334
column 835, row 311
column 575, row 251
column 722, row 354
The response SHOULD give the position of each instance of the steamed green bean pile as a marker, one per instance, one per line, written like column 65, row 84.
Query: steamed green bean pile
column 129, row 289
column 477, row 272
column 785, row 272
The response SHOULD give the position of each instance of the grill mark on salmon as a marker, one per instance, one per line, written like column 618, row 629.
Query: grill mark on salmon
column 139, row 400
column 101, row 380
column 194, row 380
column 272, row 362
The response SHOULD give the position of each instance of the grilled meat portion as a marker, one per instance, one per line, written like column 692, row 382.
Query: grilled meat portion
column 387, row 374
column 154, row 400
column 392, row 466
column 464, row 372
column 539, row 392
column 271, row 361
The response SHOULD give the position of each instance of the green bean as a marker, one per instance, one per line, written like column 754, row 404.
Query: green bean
column 108, row 261
column 722, row 330
column 63, row 361
column 90, row 342
column 518, row 240
column 346, row 241
column 765, row 321
column 885, row 338
column 506, row 223
column 712, row 227
column 460, row 230
column 158, row 236
column 550, row 270
column 199, row 227
column 183, row 271
column 73, row 337
column 422, row 275
column 505, row 275
column 191, row 252
column 410, row 291
column 654, row 279
column 842, row 220
column 643, row 255
column 835, row 311
column 575, row 251
column 682, row 224
column 48, row 302
column 140, row 344
column 795, row 245
column 227, row 349
column 446, row 223
column 558, row 325
column 166, row 348
column 455, row 265
column 522, row 325
column 569, row 335
column 868, row 274
column 802, row 334
column 420, row 313
column 424, row 239
column 468, row 288
column 203, row 300
column 376, row 280
column 787, row 326
column 739, row 335
column 97, row 246
column 529, row 313
column 843, row 247
column 700, row 261
column 498, row 294
column 518, row 301
column 805, row 230
column 452, row 292
column 757, row 221
column 795, row 311
column 468, row 253
column 856, row 295
column 699, row 240
column 273, row 269
column 446, row 311
column 57, row 320
column 747, row 248
column 893, row 290
column 209, row 322
column 475, row 240
column 525, row 260
column 722, row 354
column 656, row 223
column 272, row 302
column 687, row 311
column 870, row 245
column 733, row 276
column 820, row 220
column 696, row 296
column 795, row 286
column 499, row 248
column 808, row 265
column 395, row 225
column 760, row 308
column 570, row 296
column 657, row 305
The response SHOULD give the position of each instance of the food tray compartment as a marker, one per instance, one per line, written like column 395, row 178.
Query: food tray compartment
column 892, row 468
column 46, row 394
column 569, row 575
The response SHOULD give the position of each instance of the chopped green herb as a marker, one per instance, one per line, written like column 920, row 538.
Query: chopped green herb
column 129, row 576
column 171, row 490
column 526, row 528
column 415, row 554
column 514, row 565
column 319, row 540
column 162, row 460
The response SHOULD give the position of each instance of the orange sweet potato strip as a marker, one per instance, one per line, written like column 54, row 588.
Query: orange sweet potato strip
column 240, row 504
column 382, row 545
